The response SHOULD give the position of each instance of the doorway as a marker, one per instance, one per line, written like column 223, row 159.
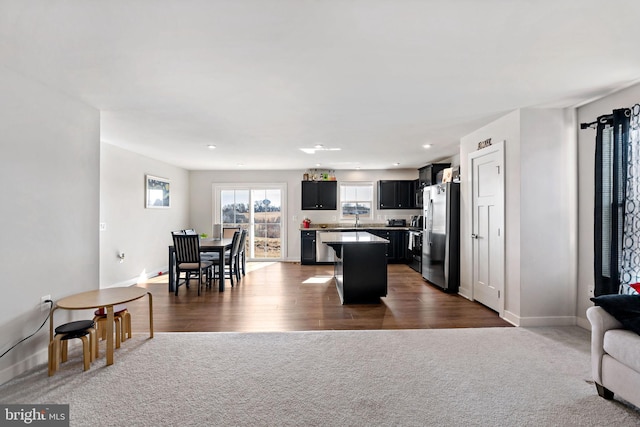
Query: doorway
column 487, row 226
column 258, row 209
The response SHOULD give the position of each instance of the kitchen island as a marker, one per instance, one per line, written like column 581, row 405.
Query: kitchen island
column 360, row 266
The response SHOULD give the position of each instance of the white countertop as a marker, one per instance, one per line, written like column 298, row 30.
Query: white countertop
column 350, row 237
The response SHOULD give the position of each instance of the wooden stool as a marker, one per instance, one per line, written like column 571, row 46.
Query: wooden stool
column 121, row 320
column 58, row 348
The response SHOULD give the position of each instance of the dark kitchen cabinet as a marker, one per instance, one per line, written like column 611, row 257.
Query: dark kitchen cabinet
column 397, row 246
column 384, row 235
column 428, row 175
column 386, row 194
column 400, row 245
column 396, row 194
column 404, row 254
column 308, row 247
column 397, row 250
column 319, row 195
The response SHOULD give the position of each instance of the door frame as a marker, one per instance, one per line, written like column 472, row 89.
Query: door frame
column 499, row 148
column 282, row 186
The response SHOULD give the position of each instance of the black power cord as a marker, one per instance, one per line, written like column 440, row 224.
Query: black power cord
column 36, row 331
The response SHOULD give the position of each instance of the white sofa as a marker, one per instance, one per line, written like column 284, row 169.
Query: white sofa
column 615, row 357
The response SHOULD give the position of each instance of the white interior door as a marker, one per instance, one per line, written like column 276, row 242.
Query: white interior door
column 487, row 233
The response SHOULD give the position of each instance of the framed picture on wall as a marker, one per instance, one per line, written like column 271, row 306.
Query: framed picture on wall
column 158, row 192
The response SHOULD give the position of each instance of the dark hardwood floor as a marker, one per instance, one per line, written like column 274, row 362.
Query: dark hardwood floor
column 294, row 297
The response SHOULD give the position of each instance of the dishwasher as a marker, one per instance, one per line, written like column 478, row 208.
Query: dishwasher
column 324, row 253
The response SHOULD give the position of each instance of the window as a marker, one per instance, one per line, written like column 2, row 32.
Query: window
column 356, row 198
column 266, row 236
column 257, row 208
column 615, row 236
column 235, row 207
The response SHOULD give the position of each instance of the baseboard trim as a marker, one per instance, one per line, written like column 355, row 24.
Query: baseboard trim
column 141, row 278
column 164, row 270
column 583, row 323
column 465, row 293
column 11, row 372
column 511, row 318
column 532, row 322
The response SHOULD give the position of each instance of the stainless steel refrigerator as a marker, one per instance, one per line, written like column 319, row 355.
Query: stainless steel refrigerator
column 441, row 236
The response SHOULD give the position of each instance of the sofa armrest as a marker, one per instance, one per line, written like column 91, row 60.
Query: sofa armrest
column 601, row 322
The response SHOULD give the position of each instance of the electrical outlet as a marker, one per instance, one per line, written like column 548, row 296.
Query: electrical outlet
column 103, row 226
column 44, row 306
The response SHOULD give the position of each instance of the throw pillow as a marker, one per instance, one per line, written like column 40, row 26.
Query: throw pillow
column 625, row 308
column 636, row 286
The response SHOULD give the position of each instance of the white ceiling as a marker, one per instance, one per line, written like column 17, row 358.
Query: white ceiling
column 261, row 79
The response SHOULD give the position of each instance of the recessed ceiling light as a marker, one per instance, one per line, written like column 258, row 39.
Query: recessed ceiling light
column 396, row 164
column 211, row 147
column 317, row 164
column 240, row 165
column 318, row 148
column 427, row 146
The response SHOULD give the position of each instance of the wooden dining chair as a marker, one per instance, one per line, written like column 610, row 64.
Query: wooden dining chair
column 188, row 260
column 182, row 233
column 204, row 256
column 227, row 232
column 242, row 253
column 231, row 259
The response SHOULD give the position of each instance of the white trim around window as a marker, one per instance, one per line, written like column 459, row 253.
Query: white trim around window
column 216, row 204
column 356, row 197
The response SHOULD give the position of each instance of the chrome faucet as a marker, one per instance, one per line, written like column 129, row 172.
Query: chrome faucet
column 357, row 220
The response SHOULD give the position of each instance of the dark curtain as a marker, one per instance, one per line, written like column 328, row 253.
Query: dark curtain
column 610, row 178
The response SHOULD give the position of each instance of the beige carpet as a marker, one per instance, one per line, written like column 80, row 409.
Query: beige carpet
column 472, row 377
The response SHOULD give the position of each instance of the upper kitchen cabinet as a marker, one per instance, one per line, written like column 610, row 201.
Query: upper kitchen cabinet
column 319, row 195
column 396, row 194
column 427, row 175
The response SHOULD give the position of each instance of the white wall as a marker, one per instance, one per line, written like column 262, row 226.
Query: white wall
column 506, row 129
column 201, row 192
column 49, row 167
column 586, row 158
column 143, row 235
column 539, row 176
column 547, row 211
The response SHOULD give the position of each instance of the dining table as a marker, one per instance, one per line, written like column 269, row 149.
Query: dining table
column 103, row 298
column 207, row 245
